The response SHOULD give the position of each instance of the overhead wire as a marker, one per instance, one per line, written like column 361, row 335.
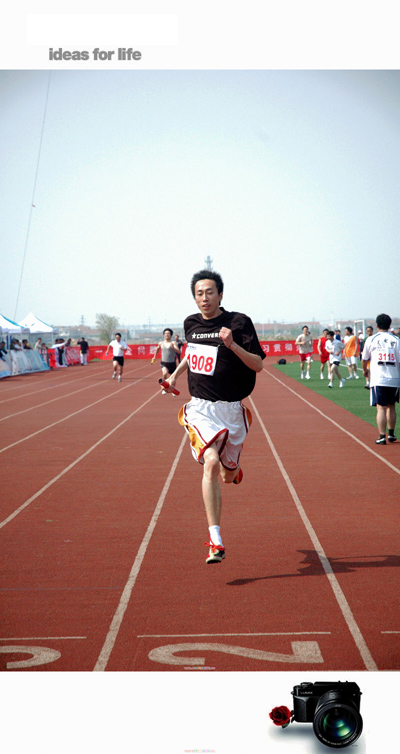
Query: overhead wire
column 33, row 196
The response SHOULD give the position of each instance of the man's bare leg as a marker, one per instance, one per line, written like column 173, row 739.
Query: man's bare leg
column 210, row 486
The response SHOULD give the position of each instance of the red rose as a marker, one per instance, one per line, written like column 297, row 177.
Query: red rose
column 280, row 715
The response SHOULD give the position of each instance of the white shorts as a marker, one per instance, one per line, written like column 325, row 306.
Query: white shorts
column 221, row 422
column 351, row 360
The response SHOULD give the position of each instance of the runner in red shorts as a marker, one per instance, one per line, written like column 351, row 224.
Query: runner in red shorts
column 324, row 355
column 305, row 344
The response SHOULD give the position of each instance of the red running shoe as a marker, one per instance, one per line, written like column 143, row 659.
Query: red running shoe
column 216, row 553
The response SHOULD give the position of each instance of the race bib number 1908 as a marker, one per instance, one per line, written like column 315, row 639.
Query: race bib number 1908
column 201, row 359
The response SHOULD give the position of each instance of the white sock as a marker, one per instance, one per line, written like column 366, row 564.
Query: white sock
column 215, row 536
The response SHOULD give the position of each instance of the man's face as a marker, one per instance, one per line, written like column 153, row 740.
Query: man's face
column 118, row 338
column 369, row 332
column 305, row 330
column 207, row 298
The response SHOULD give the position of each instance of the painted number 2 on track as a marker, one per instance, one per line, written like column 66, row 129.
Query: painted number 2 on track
column 302, row 652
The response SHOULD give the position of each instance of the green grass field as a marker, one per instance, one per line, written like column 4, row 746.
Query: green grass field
column 353, row 396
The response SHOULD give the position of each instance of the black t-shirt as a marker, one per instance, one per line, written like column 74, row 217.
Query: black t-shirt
column 232, row 379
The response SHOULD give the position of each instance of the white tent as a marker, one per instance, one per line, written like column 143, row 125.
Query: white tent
column 36, row 326
column 12, row 328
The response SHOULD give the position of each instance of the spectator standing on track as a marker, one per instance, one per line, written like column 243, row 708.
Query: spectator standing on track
column 334, row 348
column 369, row 331
column 169, row 350
column 324, row 355
column 350, row 353
column 223, row 355
column 305, row 344
column 38, row 344
column 44, row 353
column 179, row 343
column 382, row 350
column 84, row 350
column 118, row 347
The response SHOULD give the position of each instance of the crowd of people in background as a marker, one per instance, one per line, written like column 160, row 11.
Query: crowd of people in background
column 380, row 357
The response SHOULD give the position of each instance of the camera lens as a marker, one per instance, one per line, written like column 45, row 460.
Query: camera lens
column 338, row 724
column 337, row 721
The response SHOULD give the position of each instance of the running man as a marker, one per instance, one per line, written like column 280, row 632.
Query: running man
column 382, row 350
column 305, row 344
column 119, row 347
column 334, row 348
column 324, row 355
column 223, row 355
column 169, row 350
column 350, row 353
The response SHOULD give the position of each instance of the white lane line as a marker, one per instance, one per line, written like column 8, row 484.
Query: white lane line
column 47, row 403
column 41, row 638
column 59, row 398
column 111, row 637
column 272, row 633
column 353, row 437
column 85, row 408
column 49, row 387
column 339, row 595
column 74, row 463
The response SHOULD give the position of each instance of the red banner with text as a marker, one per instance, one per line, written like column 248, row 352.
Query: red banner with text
column 279, row 348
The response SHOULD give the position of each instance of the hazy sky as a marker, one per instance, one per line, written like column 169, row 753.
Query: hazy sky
column 289, row 180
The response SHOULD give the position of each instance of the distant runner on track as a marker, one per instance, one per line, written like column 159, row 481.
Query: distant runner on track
column 223, row 355
column 305, row 344
column 334, row 348
column 169, row 351
column 324, row 355
column 382, row 350
column 119, row 347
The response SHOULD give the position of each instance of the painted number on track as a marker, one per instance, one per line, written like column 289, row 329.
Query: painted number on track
column 39, row 656
column 303, row 651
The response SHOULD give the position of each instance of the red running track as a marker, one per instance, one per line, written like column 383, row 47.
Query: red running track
column 102, row 530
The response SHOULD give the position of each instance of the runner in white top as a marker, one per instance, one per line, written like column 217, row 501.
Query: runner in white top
column 119, row 347
column 382, row 350
column 334, row 348
column 305, row 344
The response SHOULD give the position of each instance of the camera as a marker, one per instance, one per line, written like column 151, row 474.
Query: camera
column 333, row 708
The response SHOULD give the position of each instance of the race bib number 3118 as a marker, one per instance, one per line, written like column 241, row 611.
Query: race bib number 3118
column 201, row 359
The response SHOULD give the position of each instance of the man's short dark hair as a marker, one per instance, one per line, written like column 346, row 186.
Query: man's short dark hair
column 207, row 275
column 383, row 321
column 331, row 333
column 118, row 333
column 168, row 329
column 350, row 329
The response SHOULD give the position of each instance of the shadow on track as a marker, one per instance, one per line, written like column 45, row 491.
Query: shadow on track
column 313, row 566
